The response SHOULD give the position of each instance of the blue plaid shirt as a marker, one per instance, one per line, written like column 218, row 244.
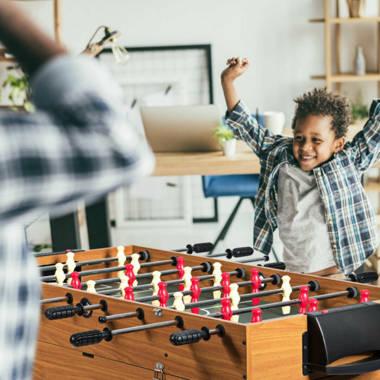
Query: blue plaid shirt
column 78, row 145
column 349, row 216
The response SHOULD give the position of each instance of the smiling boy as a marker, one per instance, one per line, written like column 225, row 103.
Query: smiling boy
column 310, row 185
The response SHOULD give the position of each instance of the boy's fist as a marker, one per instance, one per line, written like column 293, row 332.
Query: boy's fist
column 236, row 67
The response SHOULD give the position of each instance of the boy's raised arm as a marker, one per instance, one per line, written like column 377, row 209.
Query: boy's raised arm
column 236, row 67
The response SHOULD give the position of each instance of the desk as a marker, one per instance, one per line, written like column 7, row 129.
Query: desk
column 202, row 163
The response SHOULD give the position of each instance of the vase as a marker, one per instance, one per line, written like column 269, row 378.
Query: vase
column 355, row 7
column 229, row 147
column 359, row 63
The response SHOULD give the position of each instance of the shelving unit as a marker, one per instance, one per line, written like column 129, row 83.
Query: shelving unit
column 334, row 77
column 338, row 77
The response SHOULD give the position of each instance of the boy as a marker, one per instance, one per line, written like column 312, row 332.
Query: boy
column 77, row 145
column 310, row 185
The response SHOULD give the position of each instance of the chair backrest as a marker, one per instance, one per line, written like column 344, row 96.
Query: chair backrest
column 241, row 185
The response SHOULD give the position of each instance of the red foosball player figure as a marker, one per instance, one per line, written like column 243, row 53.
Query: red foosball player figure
column 181, row 272
column 256, row 315
column 256, row 282
column 163, row 294
column 129, row 273
column 226, row 284
column 304, row 298
column 196, row 292
column 364, row 296
column 129, row 293
column 75, row 281
column 313, row 305
column 226, row 309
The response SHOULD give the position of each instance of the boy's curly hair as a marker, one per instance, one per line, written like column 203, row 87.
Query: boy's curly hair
column 324, row 103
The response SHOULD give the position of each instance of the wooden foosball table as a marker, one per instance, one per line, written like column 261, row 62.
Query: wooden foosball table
column 218, row 320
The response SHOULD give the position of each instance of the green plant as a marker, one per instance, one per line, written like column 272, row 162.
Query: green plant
column 223, row 133
column 359, row 110
column 19, row 89
column 40, row 247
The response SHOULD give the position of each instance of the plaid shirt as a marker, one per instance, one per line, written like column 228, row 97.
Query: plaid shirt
column 349, row 216
column 77, row 145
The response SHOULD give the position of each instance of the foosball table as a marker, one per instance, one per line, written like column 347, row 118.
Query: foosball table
column 134, row 312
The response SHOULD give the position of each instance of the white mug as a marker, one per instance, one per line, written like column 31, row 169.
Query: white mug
column 274, row 121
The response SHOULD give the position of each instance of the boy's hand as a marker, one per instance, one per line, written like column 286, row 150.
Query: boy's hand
column 236, row 67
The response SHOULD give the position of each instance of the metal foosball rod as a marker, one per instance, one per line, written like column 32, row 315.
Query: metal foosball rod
column 122, row 268
column 275, row 279
column 139, row 313
column 238, row 272
column 312, row 285
column 351, row 292
column 96, row 336
column 144, row 256
column 204, row 267
column 67, row 297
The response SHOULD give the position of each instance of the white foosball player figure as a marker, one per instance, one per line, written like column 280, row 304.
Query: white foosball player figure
column 178, row 302
column 187, row 283
column 123, row 282
column 286, row 292
column 70, row 264
column 217, row 273
column 156, row 278
column 235, row 299
column 136, row 265
column 120, row 256
column 59, row 274
column 91, row 286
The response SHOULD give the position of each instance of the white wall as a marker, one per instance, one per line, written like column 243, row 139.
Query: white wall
column 284, row 48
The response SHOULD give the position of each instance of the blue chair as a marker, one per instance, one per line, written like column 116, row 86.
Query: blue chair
column 245, row 186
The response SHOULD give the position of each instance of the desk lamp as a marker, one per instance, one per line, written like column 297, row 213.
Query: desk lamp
column 110, row 37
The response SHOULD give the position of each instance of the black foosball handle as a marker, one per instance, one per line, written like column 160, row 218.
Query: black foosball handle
column 280, row 265
column 193, row 336
column 363, row 277
column 239, row 252
column 199, row 248
column 61, row 312
column 187, row 337
column 87, row 338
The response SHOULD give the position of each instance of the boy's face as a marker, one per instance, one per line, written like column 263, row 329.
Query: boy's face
column 315, row 141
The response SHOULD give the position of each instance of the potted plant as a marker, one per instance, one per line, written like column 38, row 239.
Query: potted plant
column 226, row 139
column 359, row 112
column 19, row 90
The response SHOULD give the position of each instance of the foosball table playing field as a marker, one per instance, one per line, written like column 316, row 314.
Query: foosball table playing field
column 134, row 312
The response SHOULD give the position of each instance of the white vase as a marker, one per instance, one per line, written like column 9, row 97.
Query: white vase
column 359, row 61
column 229, row 147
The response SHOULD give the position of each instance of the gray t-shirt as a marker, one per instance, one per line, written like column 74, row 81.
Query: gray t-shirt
column 301, row 222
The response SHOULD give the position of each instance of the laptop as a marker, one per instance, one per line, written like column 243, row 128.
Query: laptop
column 181, row 128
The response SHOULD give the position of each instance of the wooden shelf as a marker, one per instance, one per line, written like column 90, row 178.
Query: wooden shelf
column 345, row 20
column 348, row 77
column 3, row 58
column 372, row 184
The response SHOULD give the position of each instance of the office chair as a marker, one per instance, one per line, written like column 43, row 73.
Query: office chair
column 245, row 186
